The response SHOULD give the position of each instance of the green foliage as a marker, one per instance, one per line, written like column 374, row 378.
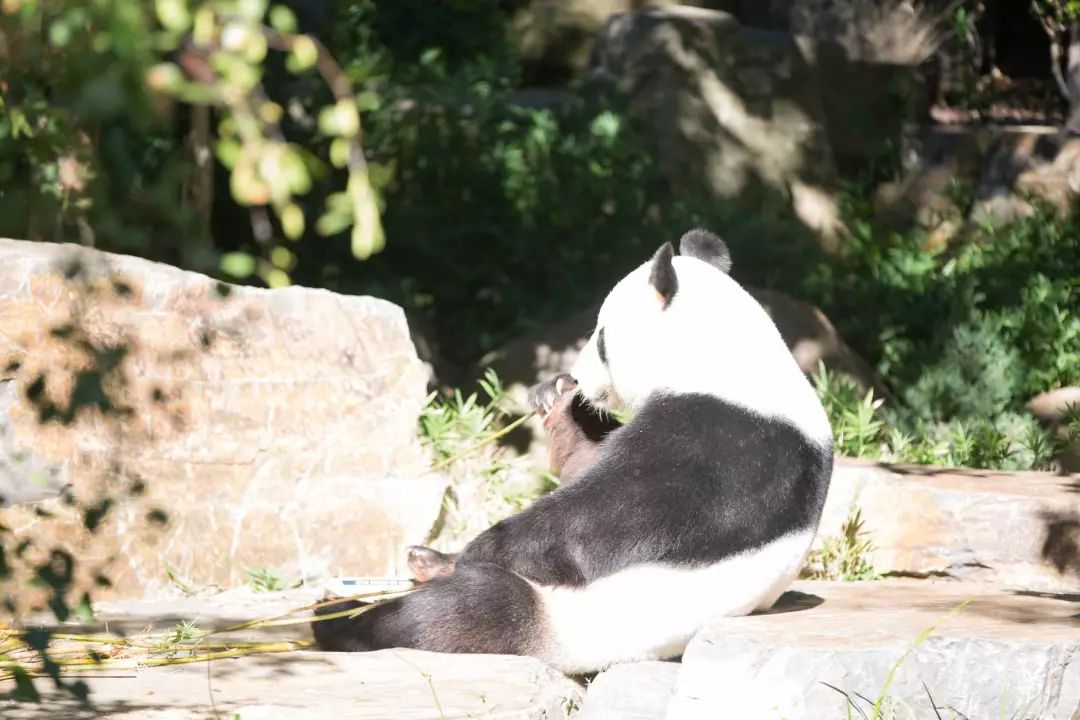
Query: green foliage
column 264, row 580
column 87, row 152
column 977, row 376
column 845, row 557
column 863, row 426
column 965, row 336
column 857, row 429
column 452, row 425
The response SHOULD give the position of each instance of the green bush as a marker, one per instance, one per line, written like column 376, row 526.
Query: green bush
column 963, row 336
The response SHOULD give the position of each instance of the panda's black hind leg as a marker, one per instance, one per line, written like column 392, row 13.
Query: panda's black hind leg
column 480, row 608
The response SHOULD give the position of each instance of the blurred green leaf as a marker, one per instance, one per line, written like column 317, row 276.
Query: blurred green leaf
column 173, row 14
column 282, row 19
column 238, row 264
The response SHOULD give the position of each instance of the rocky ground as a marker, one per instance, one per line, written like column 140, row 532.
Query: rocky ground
column 988, row 651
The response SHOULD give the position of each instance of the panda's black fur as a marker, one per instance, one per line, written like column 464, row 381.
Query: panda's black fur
column 689, row 481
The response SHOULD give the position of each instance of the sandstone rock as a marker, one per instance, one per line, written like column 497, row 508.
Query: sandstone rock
column 276, row 428
column 1052, row 408
column 399, row 684
column 1002, row 655
column 634, row 691
column 1017, row 530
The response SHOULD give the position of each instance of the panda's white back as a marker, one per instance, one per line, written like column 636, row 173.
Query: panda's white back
column 712, row 339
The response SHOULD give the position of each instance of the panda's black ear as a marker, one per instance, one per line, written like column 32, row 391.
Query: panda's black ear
column 662, row 277
column 704, row 245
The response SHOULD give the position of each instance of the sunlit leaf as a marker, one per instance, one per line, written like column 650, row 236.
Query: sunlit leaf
column 339, row 152
column 204, row 25
column 292, row 222
column 164, row 77
column 282, row 19
column 276, row 278
column 251, row 9
column 368, row 101
column 303, row 56
column 173, row 14
column 341, row 119
column 238, row 264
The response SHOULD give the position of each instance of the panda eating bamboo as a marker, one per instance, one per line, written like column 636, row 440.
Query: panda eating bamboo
column 709, row 496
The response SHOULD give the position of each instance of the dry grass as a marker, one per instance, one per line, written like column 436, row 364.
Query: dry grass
column 73, row 655
column 900, row 32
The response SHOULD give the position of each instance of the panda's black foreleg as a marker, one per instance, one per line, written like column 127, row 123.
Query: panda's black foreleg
column 574, row 429
column 480, row 608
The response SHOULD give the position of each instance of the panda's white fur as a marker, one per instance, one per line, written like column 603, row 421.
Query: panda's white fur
column 712, row 338
column 704, row 504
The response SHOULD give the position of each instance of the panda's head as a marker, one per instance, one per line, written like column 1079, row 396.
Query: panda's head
column 680, row 323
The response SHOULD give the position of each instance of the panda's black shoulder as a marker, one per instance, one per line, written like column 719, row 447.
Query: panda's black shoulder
column 723, row 477
column 685, row 428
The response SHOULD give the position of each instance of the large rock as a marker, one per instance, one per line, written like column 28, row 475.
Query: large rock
column 275, row 428
column 1019, row 530
column 753, row 116
column 1004, row 654
column 735, row 112
column 554, row 38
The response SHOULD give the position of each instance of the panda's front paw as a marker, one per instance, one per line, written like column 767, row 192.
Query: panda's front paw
column 546, row 395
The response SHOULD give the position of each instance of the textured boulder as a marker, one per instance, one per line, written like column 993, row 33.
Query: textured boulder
column 555, row 37
column 275, row 428
column 750, row 115
column 1002, row 655
column 734, row 111
column 1019, row 530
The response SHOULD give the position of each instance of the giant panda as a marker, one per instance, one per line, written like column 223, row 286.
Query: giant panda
column 708, row 497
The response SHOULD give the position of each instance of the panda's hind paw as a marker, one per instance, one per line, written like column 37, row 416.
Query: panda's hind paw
column 426, row 563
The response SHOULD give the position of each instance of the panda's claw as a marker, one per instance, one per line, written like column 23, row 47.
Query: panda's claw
column 544, row 396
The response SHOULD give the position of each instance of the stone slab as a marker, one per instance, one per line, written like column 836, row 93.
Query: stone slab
column 632, row 691
column 307, row 685
column 1005, row 654
column 1014, row 529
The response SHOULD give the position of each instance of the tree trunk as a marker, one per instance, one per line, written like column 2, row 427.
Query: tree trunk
column 1072, row 73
